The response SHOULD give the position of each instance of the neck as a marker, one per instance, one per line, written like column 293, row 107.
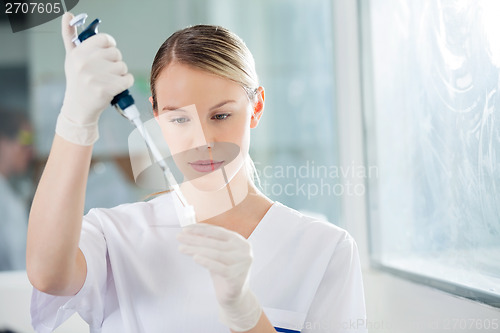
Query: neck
column 237, row 201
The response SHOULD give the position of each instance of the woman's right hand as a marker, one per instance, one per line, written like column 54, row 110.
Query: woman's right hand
column 95, row 73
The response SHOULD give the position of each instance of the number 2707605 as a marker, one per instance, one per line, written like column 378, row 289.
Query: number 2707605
column 32, row 8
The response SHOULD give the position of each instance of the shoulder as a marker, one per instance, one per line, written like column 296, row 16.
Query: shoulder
column 307, row 228
column 157, row 210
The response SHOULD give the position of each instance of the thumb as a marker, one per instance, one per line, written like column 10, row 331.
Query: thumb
column 68, row 32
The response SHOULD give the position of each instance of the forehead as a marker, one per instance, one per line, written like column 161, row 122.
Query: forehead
column 182, row 85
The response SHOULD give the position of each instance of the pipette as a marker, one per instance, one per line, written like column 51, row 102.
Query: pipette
column 125, row 105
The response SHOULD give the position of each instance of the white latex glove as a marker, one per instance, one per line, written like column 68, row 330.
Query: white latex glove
column 228, row 257
column 95, row 73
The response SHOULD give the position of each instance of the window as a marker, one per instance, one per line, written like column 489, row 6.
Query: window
column 431, row 81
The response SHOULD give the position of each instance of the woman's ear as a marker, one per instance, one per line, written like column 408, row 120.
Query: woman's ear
column 258, row 107
column 155, row 113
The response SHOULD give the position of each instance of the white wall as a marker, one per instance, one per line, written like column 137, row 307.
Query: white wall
column 390, row 300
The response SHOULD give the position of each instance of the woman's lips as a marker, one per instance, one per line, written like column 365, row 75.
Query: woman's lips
column 206, row 165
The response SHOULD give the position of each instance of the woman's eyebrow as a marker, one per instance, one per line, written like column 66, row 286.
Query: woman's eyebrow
column 172, row 108
column 175, row 108
column 222, row 103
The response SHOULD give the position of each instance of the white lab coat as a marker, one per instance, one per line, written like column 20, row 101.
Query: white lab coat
column 13, row 228
column 305, row 273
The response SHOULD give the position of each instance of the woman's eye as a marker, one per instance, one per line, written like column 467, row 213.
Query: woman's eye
column 221, row 116
column 180, row 120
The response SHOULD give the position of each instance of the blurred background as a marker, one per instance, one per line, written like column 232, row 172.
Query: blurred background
column 381, row 117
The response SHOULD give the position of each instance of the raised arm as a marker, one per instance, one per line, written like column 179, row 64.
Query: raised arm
column 95, row 73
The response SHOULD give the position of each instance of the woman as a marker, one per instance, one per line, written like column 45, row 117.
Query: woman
column 133, row 268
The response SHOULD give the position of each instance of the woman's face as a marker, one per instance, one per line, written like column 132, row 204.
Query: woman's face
column 205, row 120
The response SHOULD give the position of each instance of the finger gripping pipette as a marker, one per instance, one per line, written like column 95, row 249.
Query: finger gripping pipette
column 123, row 100
column 124, row 103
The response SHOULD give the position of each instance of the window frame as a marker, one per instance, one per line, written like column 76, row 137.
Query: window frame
column 370, row 158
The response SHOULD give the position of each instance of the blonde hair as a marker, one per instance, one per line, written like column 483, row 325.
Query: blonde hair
column 213, row 49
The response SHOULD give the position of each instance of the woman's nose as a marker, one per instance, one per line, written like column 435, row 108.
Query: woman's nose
column 203, row 135
column 207, row 139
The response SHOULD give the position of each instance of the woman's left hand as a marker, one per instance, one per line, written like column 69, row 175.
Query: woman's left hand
column 228, row 257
